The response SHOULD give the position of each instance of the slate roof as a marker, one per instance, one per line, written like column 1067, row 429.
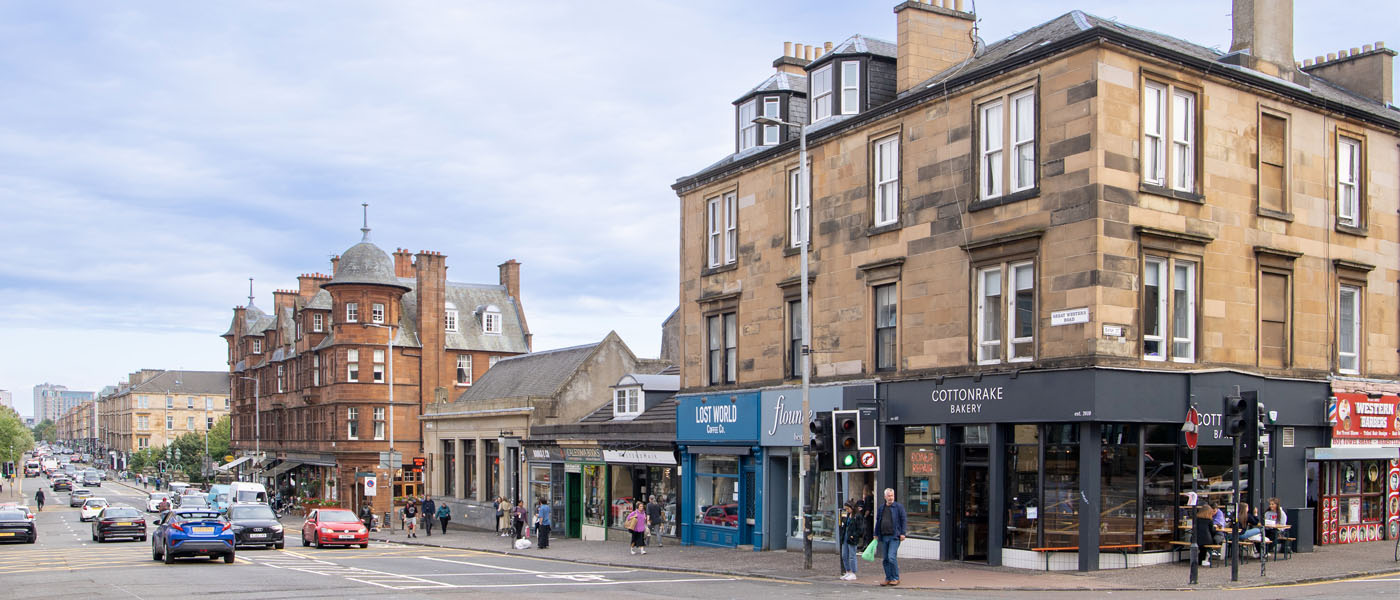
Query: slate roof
column 662, row 412
column 467, row 297
column 365, row 263
column 536, row 375
column 320, row 301
column 778, row 82
column 185, row 382
column 651, row 383
column 860, row 44
column 1051, row 36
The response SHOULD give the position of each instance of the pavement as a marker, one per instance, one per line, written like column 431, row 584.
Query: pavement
column 1325, row 563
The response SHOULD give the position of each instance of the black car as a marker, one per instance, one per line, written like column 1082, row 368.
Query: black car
column 62, row 483
column 119, row 522
column 255, row 525
column 17, row 525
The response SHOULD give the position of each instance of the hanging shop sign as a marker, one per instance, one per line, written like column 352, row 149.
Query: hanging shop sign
column 721, row 418
column 643, row 457
column 781, row 410
column 1359, row 420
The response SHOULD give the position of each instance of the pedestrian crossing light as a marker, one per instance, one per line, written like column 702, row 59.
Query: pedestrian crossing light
column 820, row 444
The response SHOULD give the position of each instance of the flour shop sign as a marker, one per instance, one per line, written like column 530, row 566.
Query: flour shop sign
column 781, row 410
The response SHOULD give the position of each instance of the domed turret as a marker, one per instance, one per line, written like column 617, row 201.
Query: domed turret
column 365, row 263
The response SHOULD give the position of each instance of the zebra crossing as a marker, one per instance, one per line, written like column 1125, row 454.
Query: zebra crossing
column 304, row 563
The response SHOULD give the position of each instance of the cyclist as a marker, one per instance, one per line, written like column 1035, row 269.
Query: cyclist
column 39, row 499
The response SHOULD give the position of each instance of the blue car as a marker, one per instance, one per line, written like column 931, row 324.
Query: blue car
column 192, row 532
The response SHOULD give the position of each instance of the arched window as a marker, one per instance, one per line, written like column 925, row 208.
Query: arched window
column 491, row 320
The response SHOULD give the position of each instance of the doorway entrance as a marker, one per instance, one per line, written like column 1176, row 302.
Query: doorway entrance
column 973, row 505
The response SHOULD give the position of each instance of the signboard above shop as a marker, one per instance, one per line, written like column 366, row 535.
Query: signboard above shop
column 717, row 418
column 781, row 410
column 1359, row 420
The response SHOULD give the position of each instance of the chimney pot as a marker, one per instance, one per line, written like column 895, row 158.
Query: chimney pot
column 1331, row 56
column 1355, row 51
column 1307, row 62
column 958, row 5
column 1380, row 45
column 826, row 47
column 787, row 48
column 1366, row 48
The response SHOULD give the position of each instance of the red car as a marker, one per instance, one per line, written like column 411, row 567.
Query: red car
column 333, row 527
column 726, row 515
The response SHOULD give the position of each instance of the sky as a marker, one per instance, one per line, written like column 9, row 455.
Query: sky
column 156, row 155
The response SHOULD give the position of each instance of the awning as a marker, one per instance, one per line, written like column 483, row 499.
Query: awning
column 725, row 450
column 234, row 463
column 1354, row 453
column 286, row 465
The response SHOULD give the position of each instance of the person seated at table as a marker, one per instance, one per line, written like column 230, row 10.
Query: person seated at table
column 1273, row 517
column 1203, row 530
column 1247, row 526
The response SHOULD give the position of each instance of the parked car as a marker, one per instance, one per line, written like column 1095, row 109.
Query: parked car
column 119, row 521
column 77, row 497
column 91, row 508
column 333, row 526
column 192, row 532
column 153, row 501
column 17, row 525
column 255, row 525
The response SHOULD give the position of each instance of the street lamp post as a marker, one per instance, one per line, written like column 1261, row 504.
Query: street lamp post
column 257, row 423
column 808, row 471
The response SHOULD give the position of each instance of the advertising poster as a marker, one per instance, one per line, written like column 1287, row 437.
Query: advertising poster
column 1359, row 420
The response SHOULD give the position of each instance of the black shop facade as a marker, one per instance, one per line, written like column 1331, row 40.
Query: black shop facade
column 991, row 467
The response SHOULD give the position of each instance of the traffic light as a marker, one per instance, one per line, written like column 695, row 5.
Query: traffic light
column 1235, row 416
column 820, row 444
column 1261, row 427
column 847, row 432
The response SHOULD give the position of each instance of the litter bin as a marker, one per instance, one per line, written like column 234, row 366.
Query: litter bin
column 1304, row 523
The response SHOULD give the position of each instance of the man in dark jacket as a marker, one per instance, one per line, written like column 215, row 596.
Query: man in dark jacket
column 891, row 524
column 654, row 520
column 429, row 512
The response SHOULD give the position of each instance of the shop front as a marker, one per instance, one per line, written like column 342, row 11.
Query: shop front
column 637, row 475
column 586, row 493
column 991, row 467
column 544, row 475
column 1355, row 482
column 721, row 467
column 780, row 434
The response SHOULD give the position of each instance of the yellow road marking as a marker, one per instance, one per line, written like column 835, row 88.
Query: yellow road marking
column 1312, row 583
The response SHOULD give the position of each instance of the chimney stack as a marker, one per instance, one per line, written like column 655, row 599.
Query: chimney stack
column 403, row 263
column 510, row 278
column 335, row 264
column 933, row 36
column 1369, row 72
column 791, row 62
column 1262, row 37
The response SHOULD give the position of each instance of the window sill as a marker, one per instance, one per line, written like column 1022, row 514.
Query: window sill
column 1158, row 190
column 734, row 266
column 877, row 230
column 986, row 203
column 795, row 250
column 464, row 385
column 1273, row 214
column 1351, row 230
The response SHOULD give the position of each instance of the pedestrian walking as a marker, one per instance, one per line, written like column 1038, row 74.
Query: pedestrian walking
column 500, row 514
column 444, row 514
column 410, row 518
column 517, row 518
column 544, row 522
column 654, row 520
column 429, row 513
column 39, row 499
column 891, row 526
column 636, row 522
column 855, row 534
column 366, row 515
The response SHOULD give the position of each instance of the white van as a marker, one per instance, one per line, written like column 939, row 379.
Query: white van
column 245, row 491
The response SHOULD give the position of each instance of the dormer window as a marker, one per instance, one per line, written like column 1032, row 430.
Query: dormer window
column 352, row 312
column 850, row 87
column 627, row 403
column 821, row 93
column 491, row 321
column 318, row 322
column 770, row 132
column 450, row 320
column 748, row 130
column 257, row 346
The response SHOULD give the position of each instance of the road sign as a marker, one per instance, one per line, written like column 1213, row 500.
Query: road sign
column 371, row 486
column 385, row 463
column 1193, row 422
column 868, row 459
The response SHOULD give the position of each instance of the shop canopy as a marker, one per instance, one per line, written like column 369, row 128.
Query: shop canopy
column 235, row 463
column 1354, row 453
column 286, row 465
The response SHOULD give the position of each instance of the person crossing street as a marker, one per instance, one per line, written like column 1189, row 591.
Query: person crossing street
column 429, row 509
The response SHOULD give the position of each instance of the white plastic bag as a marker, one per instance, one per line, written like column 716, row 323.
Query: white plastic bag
column 522, row 544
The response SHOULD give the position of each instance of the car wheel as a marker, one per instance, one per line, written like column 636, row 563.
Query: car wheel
column 143, row 538
column 280, row 545
column 228, row 558
column 169, row 557
column 317, row 542
column 304, row 541
column 364, row 545
column 33, row 538
column 155, row 552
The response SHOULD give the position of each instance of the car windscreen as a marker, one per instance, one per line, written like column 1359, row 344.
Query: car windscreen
column 193, row 500
column 121, row 513
column 248, row 496
column 199, row 516
column 252, row 512
column 95, row 502
column 338, row 516
column 12, row 515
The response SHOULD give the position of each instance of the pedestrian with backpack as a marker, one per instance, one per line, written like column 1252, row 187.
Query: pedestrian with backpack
column 410, row 518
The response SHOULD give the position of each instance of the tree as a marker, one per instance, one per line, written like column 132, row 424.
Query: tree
column 46, row 431
column 15, row 438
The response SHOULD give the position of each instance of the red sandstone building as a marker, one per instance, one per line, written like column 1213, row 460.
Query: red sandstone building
column 313, row 374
